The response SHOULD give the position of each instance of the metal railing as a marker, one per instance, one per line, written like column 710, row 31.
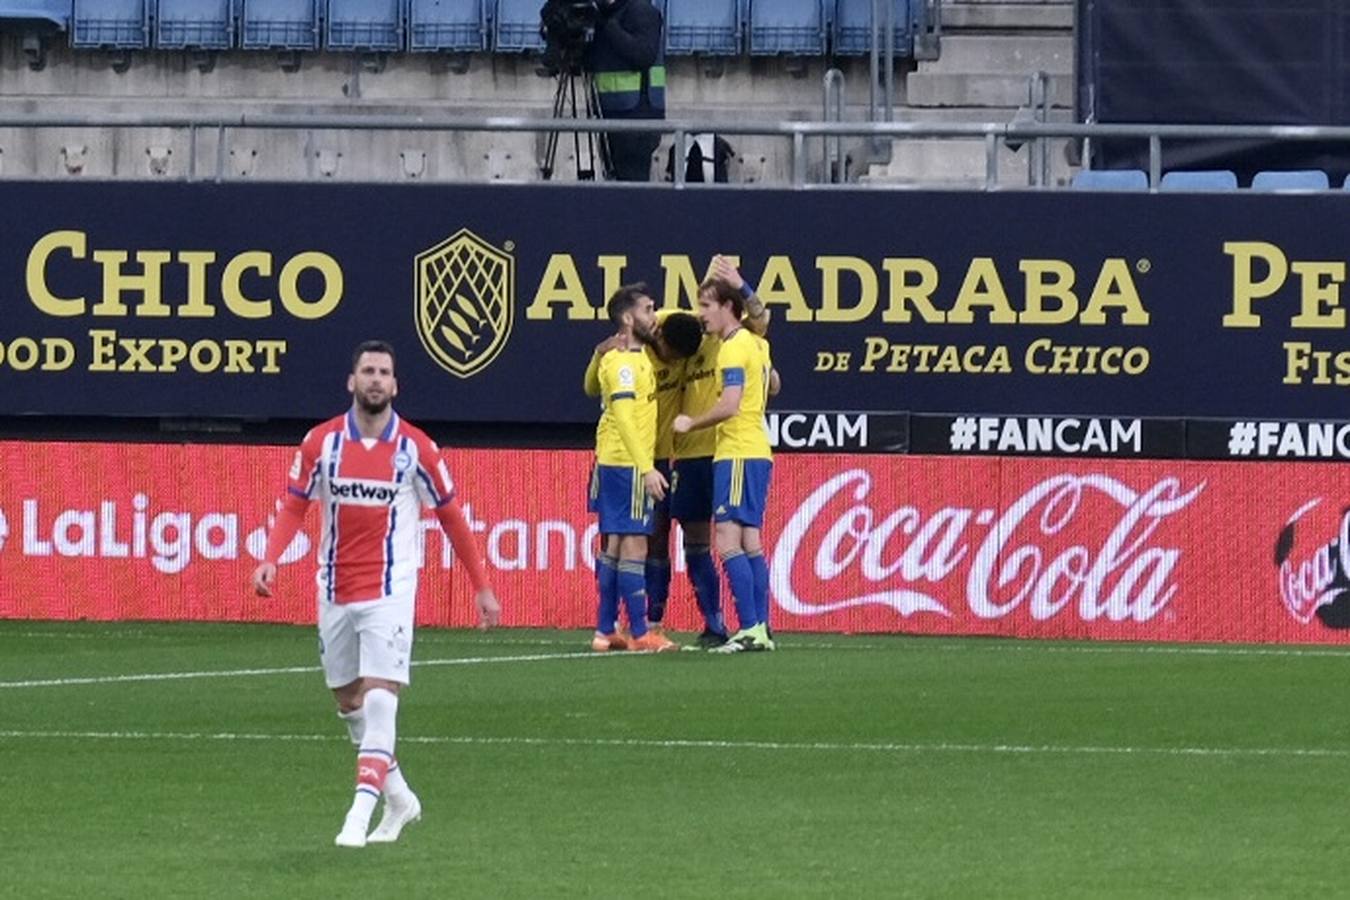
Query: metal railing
column 993, row 134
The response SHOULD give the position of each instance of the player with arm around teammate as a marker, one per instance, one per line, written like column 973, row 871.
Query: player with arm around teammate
column 625, row 481
column 371, row 471
column 676, row 337
column 742, row 459
column 692, row 483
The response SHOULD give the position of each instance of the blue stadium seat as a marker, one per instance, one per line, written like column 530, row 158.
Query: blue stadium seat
column 458, row 26
column 1111, row 180
column 1206, row 180
column 789, row 27
column 110, row 24
column 1295, row 180
column 364, row 25
column 516, row 29
column 23, row 13
column 279, row 25
column 712, row 27
column 194, row 25
column 852, row 32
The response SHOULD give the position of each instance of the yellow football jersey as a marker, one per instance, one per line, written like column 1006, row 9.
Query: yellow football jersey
column 669, row 390
column 626, row 435
column 701, row 390
column 743, row 361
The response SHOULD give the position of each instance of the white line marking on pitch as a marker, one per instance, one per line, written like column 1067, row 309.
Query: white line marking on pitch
column 292, row 670
column 645, row 744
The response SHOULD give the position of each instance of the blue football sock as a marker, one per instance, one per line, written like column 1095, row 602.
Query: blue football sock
column 742, row 578
column 760, row 567
column 657, row 577
column 707, row 586
column 632, row 588
column 607, row 579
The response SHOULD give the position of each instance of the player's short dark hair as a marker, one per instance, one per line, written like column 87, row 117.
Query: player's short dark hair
column 682, row 333
column 624, row 299
column 723, row 293
column 371, row 347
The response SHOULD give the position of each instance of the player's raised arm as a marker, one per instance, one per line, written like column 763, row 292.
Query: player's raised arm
column 756, row 315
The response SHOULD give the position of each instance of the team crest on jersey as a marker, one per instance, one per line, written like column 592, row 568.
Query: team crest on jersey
column 465, row 302
column 402, row 461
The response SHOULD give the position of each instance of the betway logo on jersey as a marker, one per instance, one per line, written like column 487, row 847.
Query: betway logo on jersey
column 362, row 492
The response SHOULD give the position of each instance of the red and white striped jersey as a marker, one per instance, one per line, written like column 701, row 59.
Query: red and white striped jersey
column 371, row 493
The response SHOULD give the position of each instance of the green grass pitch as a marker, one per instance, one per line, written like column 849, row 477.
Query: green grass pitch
column 836, row 767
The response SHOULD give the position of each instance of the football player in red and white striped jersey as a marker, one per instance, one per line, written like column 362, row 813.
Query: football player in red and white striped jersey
column 371, row 472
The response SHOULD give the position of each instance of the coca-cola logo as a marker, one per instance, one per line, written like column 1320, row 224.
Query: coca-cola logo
column 1314, row 573
column 1082, row 542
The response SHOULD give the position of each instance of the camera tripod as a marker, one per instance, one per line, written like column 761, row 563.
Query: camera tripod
column 564, row 107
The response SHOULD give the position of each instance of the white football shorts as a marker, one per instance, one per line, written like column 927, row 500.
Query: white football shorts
column 370, row 639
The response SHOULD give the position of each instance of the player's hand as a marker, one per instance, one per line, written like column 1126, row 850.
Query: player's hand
column 723, row 270
column 655, row 483
column 613, row 342
column 263, row 578
column 682, row 424
column 489, row 610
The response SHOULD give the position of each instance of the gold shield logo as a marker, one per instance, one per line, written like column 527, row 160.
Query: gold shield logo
column 466, row 292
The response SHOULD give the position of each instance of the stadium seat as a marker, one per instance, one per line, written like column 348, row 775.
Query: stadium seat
column 788, row 27
column 852, row 30
column 447, row 25
column 22, row 13
column 712, row 27
column 279, row 25
column 110, row 24
column 194, row 25
column 1296, row 180
column 516, row 29
column 1205, row 180
column 1111, row 180
column 364, row 25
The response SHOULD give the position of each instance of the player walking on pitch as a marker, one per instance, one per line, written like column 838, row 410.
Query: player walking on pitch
column 371, row 470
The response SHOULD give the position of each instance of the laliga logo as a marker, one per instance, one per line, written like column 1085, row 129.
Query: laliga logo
column 465, row 302
column 1318, row 584
column 1120, row 577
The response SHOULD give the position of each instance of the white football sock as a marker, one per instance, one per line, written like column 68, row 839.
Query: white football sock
column 375, row 757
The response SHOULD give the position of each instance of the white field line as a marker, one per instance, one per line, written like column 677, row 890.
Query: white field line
column 689, row 744
column 292, row 670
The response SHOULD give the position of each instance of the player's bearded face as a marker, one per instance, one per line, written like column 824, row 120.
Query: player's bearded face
column 644, row 322
column 373, row 384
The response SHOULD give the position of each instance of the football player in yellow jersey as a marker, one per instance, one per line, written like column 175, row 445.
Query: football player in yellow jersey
column 691, row 484
column 742, row 459
column 625, row 481
column 676, row 337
